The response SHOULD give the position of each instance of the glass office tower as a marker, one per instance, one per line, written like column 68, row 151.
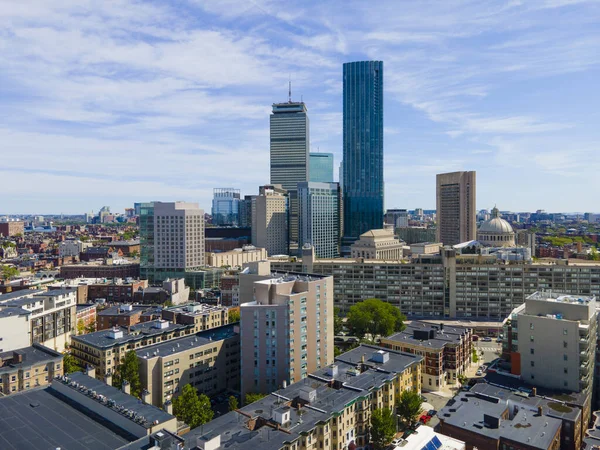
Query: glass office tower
column 363, row 149
column 226, row 207
column 321, row 167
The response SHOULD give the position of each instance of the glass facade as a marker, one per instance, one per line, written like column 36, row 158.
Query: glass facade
column 226, row 207
column 146, row 240
column 363, row 148
column 321, row 167
column 319, row 220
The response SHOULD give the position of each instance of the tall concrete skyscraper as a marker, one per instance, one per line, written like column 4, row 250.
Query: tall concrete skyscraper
column 319, row 217
column 172, row 240
column 290, row 155
column 363, row 149
column 455, row 203
column 321, row 167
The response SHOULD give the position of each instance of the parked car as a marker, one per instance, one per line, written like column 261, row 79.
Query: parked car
column 423, row 398
column 487, row 339
column 424, row 419
column 479, row 372
column 396, row 441
column 499, row 339
column 432, row 412
column 474, row 338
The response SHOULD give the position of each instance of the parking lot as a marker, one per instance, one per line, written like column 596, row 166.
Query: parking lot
column 437, row 402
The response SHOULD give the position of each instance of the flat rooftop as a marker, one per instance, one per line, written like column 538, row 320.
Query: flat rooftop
column 39, row 420
column 139, row 331
column 334, row 387
column 174, row 346
column 196, row 309
column 30, row 356
column 442, row 335
column 561, row 298
column 119, row 311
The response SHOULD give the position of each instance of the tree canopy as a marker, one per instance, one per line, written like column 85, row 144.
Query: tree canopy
column 383, row 427
column 234, row 316
column 253, row 397
column 233, row 403
column 338, row 324
column 129, row 371
column 70, row 364
column 408, row 406
column 192, row 408
column 375, row 317
column 9, row 271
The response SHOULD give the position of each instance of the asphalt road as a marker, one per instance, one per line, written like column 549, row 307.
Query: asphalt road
column 438, row 402
column 491, row 351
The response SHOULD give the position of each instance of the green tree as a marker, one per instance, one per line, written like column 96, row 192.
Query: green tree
column 91, row 327
column 338, row 324
column 234, row 315
column 80, row 327
column 462, row 379
column 383, row 427
column 408, row 406
column 474, row 356
column 135, row 254
column 233, row 403
column 253, row 397
column 336, row 351
column 70, row 364
column 9, row 271
column 129, row 370
column 192, row 408
column 375, row 317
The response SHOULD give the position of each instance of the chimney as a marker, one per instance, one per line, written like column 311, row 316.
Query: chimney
column 146, row 397
column 90, row 371
column 540, row 411
column 126, row 388
column 108, row 378
column 168, row 407
column 533, row 391
column 362, row 358
column 441, row 326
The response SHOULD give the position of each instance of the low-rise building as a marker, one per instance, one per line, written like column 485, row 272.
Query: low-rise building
column 490, row 416
column 128, row 248
column 236, row 257
column 447, row 351
column 12, row 228
column 105, row 349
column 209, row 361
column 124, row 315
column 27, row 368
column 173, row 291
column 379, row 245
column 100, row 270
column 85, row 317
column 329, row 410
column 425, row 248
column 200, row 315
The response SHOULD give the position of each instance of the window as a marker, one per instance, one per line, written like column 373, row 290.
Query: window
column 565, row 357
column 566, row 370
column 531, row 338
column 565, row 331
column 564, row 344
column 532, row 351
column 531, row 326
column 532, row 363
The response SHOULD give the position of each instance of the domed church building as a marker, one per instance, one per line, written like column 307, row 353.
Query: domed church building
column 496, row 232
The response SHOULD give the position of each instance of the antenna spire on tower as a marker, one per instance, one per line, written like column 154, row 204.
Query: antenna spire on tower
column 290, row 90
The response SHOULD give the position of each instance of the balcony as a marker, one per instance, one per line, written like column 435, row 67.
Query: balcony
column 584, row 356
column 584, row 369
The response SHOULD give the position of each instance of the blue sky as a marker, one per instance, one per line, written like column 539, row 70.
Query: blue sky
column 111, row 102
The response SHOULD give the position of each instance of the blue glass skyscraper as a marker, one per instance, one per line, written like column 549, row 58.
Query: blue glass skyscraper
column 363, row 148
column 321, row 167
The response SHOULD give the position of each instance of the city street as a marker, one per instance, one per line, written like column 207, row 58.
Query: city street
column 491, row 351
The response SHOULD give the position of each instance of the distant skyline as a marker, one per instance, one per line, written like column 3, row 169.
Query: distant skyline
column 109, row 103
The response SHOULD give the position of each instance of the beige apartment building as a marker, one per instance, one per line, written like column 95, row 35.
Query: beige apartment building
column 377, row 244
column 286, row 328
column 449, row 285
column 270, row 220
column 456, row 207
column 201, row 316
column 237, row 257
column 28, row 368
column 330, row 410
column 446, row 351
column 104, row 350
column 209, row 361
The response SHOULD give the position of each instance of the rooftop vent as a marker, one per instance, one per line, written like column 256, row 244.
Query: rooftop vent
column 380, row 356
column 115, row 333
column 161, row 324
column 332, row 370
column 308, row 394
column 124, row 308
